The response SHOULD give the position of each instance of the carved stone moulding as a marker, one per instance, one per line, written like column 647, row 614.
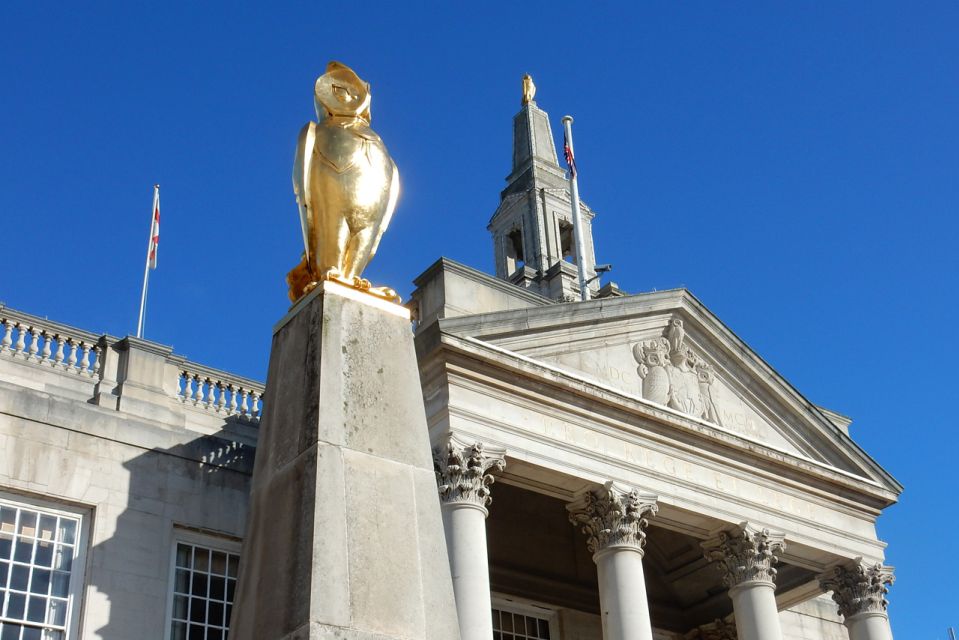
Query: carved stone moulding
column 745, row 554
column 716, row 630
column 464, row 471
column 859, row 588
column 613, row 516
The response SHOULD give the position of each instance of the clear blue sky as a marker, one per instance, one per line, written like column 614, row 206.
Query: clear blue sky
column 794, row 165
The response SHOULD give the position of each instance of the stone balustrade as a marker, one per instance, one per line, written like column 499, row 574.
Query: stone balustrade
column 45, row 354
column 39, row 341
column 218, row 392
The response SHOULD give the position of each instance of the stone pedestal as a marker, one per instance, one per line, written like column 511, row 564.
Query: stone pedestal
column 345, row 538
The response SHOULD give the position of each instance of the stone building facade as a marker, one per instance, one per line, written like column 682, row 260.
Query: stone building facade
column 654, row 477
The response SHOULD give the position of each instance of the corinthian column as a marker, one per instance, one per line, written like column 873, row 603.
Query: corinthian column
column 463, row 476
column 614, row 521
column 746, row 556
column 860, row 591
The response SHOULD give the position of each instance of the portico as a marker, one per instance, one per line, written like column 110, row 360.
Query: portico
column 717, row 526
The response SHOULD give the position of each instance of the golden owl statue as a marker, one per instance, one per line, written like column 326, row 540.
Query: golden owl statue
column 346, row 186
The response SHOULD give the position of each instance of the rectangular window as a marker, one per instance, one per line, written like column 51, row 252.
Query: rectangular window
column 514, row 620
column 204, row 583
column 40, row 565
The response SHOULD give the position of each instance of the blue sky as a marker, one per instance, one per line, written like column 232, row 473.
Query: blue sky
column 793, row 164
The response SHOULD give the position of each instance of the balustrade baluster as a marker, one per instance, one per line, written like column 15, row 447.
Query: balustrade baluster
column 21, row 339
column 244, row 407
column 72, row 358
column 7, row 335
column 85, row 360
column 34, row 343
column 210, row 388
column 198, row 398
column 255, row 405
column 45, row 355
column 58, row 359
column 187, row 392
column 221, row 396
column 95, row 371
column 233, row 402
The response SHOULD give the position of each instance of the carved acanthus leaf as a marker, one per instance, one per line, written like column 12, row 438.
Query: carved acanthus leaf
column 613, row 517
column 861, row 588
column 463, row 472
column 745, row 554
column 717, row 630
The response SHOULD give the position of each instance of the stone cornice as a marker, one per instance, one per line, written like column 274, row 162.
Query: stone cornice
column 745, row 554
column 860, row 588
column 464, row 471
column 613, row 517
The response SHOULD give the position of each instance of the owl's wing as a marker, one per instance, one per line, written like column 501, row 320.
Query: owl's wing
column 388, row 212
column 301, row 180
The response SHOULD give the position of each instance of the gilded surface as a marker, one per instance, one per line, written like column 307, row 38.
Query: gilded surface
column 529, row 89
column 346, row 186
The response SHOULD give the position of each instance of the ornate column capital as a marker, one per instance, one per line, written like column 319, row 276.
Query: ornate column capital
column 717, row 630
column 859, row 588
column 745, row 554
column 613, row 517
column 463, row 471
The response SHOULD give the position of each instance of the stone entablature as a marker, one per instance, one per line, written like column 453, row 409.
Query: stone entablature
column 860, row 588
column 613, row 517
column 746, row 554
column 464, row 471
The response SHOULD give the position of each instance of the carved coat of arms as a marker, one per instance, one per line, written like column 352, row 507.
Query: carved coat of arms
column 675, row 376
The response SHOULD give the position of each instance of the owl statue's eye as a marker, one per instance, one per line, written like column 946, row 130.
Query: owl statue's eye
column 342, row 93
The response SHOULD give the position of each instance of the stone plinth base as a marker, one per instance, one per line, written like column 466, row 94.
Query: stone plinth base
column 345, row 538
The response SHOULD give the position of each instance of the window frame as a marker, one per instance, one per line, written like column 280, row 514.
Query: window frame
column 78, row 569
column 213, row 541
column 531, row 608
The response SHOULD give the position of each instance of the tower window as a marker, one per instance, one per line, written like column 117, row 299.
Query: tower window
column 566, row 241
column 515, row 258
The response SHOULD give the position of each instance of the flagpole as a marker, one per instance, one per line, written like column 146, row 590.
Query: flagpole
column 577, row 222
column 146, row 268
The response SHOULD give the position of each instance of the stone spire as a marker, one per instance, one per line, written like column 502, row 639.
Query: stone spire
column 532, row 227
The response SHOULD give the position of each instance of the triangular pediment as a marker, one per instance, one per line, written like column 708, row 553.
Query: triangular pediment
column 667, row 349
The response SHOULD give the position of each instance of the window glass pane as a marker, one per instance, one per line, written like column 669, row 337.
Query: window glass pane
column 40, row 582
column 8, row 519
column 31, row 633
column 47, row 528
column 6, row 546
column 183, row 553
column 61, row 584
column 181, row 583
column 28, row 523
column 23, row 550
column 218, row 563
column 44, row 554
column 20, row 577
column 63, row 558
column 68, row 531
